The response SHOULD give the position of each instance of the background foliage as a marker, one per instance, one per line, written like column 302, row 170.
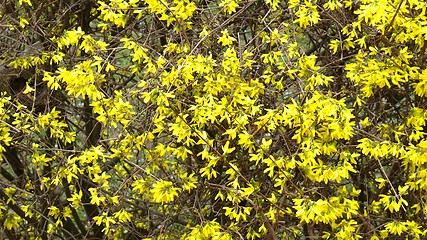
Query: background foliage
column 179, row 119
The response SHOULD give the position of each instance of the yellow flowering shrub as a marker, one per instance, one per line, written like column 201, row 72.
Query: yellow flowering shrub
column 202, row 119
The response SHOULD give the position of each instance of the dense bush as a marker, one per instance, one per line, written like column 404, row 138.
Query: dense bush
column 179, row 119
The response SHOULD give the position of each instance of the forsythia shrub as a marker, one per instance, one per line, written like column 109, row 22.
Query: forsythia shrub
column 202, row 119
